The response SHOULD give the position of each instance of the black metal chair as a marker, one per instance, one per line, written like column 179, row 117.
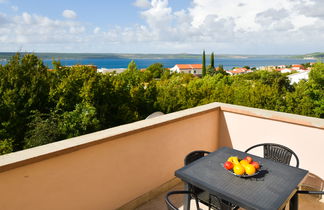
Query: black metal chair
column 171, row 206
column 277, row 152
column 211, row 201
column 310, row 192
column 195, row 155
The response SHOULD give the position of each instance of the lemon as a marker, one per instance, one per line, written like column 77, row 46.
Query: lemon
column 244, row 162
column 238, row 169
column 249, row 169
column 235, row 160
column 230, row 159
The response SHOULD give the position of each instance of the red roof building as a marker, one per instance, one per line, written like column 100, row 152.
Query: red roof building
column 195, row 69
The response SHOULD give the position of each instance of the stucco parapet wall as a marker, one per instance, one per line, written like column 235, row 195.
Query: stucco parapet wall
column 28, row 156
column 273, row 115
column 36, row 154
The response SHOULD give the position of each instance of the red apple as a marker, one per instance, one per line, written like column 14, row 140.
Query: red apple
column 248, row 159
column 228, row 165
column 256, row 165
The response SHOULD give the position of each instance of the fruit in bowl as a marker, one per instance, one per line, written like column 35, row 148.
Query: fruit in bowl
column 242, row 167
column 256, row 165
column 248, row 159
column 228, row 165
column 238, row 169
column 249, row 169
column 244, row 162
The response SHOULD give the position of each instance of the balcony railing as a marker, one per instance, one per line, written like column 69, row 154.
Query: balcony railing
column 110, row 168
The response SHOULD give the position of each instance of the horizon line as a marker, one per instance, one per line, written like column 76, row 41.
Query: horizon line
column 123, row 53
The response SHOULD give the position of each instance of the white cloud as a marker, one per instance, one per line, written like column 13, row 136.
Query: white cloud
column 3, row 19
column 70, row 14
column 158, row 17
column 96, row 30
column 3, row 1
column 144, row 4
column 30, row 29
column 314, row 8
column 236, row 26
column 27, row 18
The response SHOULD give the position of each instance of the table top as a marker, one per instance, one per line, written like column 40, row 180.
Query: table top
column 270, row 189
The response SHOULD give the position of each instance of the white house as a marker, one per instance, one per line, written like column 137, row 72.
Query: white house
column 237, row 71
column 295, row 78
column 105, row 70
column 286, row 70
column 281, row 66
column 195, row 69
column 297, row 66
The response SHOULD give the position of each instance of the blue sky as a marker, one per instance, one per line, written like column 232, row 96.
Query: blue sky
column 163, row 26
column 99, row 12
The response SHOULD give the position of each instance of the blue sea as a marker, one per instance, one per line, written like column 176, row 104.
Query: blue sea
column 228, row 63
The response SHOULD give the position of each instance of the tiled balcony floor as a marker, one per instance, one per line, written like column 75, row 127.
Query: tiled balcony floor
column 306, row 202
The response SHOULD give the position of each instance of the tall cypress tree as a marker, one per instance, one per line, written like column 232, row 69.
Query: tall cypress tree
column 212, row 60
column 203, row 64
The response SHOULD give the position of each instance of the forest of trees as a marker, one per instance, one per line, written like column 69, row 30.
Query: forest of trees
column 38, row 106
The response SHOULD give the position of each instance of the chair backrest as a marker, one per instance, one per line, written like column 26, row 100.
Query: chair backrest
column 212, row 201
column 195, row 155
column 191, row 157
column 171, row 206
column 277, row 152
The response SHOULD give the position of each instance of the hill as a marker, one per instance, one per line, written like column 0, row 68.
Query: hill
column 81, row 56
column 315, row 55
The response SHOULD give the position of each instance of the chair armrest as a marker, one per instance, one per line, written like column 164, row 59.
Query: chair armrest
column 170, row 204
column 310, row 192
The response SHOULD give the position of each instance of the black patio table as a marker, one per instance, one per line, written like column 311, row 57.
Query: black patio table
column 271, row 188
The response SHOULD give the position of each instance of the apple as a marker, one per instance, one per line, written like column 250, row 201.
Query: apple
column 248, row 159
column 256, row 165
column 228, row 165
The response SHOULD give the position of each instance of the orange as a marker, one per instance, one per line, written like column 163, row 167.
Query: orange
column 244, row 162
column 238, row 169
column 249, row 169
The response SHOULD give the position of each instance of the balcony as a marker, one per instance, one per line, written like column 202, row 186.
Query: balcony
column 126, row 166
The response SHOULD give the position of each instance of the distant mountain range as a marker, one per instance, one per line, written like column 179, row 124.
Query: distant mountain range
column 81, row 56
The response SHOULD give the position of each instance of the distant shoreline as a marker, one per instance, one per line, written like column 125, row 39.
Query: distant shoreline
column 81, row 56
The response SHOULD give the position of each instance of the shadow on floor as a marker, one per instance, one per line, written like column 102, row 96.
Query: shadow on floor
column 306, row 202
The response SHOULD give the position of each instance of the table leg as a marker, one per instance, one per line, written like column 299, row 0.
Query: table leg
column 186, row 199
column 293, row 204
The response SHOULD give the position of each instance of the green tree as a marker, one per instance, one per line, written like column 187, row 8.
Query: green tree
column 221, row 70
column 132, row 66
column 204, row 64
column 247, row 67
column 80, row 121
column 172, row 93
column 24, row 87
column 156, row 69
column 316, row 75
column 212, row 62
column 68, row 85
column 6, row 146
column 43, row 129
column 210, row 70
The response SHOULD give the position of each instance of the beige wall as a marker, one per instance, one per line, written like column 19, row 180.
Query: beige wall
column 122, row 164
column 242, row 131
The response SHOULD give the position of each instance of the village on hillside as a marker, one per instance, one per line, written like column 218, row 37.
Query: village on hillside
column 296, row 72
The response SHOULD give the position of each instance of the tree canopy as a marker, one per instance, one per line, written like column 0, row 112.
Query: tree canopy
column 38, row 106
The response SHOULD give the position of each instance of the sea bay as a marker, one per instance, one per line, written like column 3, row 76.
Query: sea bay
column 228, row 63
